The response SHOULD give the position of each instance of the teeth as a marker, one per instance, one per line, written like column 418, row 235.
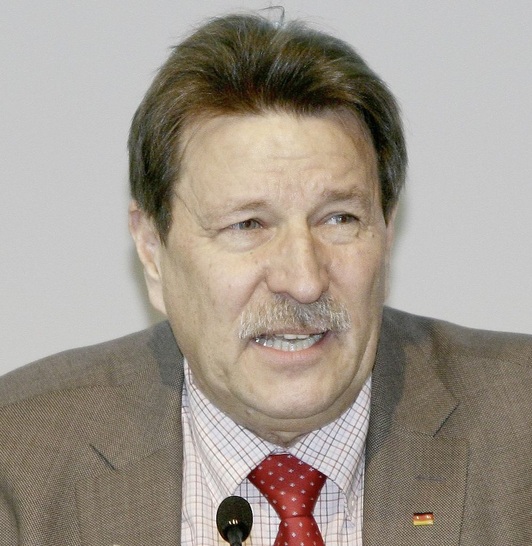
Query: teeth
column 289, row 342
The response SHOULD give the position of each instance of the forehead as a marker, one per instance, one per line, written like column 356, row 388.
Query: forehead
column 240, row 153
column 216, row 124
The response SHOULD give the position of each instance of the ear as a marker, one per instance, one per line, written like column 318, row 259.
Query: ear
column 149, row 248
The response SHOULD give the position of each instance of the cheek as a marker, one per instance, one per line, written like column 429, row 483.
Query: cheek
column 214, row 289
column 359, row 274
column 227, row 288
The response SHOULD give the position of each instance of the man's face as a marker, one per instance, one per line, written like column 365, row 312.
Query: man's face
column 273, row 213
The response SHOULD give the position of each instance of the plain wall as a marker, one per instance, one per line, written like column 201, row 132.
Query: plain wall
column 73, row 73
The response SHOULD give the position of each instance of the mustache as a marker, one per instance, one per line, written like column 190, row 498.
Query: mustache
column 283, row 314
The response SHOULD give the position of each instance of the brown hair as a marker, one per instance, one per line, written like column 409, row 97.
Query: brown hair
column 245, row 64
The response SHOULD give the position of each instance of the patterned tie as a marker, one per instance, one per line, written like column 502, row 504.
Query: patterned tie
column 292, row 488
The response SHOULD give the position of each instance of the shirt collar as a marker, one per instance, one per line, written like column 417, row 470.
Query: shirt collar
column 337, row 449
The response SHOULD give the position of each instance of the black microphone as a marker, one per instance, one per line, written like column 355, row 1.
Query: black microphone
column 234, row 520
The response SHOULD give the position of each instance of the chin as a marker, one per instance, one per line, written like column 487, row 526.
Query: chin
column 295, row 408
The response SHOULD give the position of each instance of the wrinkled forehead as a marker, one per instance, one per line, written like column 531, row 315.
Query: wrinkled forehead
column 255, row 162
column 350, row 123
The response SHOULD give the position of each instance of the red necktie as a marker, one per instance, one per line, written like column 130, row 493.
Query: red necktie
column 292, row 488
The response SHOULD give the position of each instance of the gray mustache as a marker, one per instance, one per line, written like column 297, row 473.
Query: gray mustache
column 283, row 314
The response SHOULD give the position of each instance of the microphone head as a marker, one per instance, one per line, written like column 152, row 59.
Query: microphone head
column 234, row 514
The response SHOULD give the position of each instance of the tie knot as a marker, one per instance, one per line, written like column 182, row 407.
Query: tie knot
column 290, row 485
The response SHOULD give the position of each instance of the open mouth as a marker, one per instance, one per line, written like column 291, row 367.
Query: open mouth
column 289, row 342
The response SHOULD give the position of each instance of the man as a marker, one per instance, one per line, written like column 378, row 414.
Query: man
column 266, row 165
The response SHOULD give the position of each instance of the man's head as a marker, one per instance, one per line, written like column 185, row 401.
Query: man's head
column 247, row 65
column 266, row 162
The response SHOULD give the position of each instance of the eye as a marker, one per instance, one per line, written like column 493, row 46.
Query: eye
column 340, row 219
column 246, row 225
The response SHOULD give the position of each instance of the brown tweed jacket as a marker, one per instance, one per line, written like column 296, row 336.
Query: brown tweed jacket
column 91, row 451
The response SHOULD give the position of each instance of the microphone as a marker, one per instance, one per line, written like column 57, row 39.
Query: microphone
column 234, row 519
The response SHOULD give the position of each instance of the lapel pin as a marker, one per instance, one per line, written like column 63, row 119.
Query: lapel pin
column 423, row 518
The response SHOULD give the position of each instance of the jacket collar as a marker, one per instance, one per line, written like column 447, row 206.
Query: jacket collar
column 410, row 467
column 132, row 493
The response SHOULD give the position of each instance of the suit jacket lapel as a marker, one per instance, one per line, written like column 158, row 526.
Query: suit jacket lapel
column 409, row 467
column 133, row 495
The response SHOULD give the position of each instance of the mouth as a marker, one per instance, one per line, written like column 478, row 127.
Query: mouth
column 289, row 342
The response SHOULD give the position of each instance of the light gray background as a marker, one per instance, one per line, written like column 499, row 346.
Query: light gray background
column 72, row 74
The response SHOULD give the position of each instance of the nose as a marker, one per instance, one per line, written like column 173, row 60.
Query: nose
column 297, row 266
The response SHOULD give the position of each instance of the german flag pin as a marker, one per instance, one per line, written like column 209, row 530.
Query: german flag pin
column 423, row 518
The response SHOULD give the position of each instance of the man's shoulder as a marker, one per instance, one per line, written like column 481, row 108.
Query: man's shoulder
column 439, row 337
column 111, row 363
column 430, row 362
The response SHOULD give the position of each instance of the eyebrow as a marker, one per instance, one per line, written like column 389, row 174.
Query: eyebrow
column 351, row 195
column 234, row 207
